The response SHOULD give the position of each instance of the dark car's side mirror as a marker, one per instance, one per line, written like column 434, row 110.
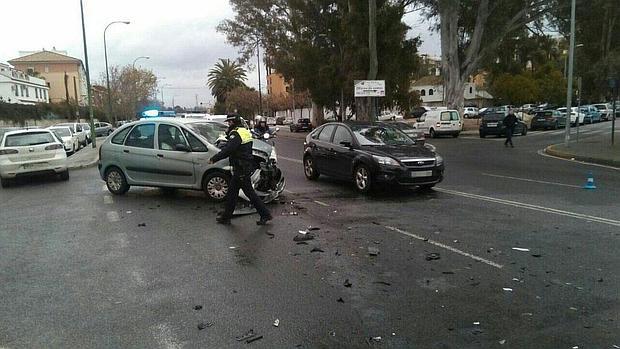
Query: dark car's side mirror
column 346, row 144
column 181, row 147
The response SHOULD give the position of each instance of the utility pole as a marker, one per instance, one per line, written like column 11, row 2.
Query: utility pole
column 569, row 91
column 578, row 104
column 372, row 47
column 93, row 135
column 260, row 94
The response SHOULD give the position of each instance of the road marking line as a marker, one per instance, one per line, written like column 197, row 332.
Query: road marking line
column 447, row 247
column 542, row 153
column 164, row 336
column 533, row 207
column 113, row 216
column 531, row 180
column 321, row 203
column 107, row 199
column 290, row 159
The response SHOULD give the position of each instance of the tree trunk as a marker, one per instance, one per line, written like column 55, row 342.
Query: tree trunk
column 454, row 84
column 318, row 117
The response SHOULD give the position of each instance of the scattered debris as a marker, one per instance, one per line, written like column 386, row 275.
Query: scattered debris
column 502, row 342
column 376, row 223
column 433, row 256
column 536, row 255
column 337, row 253
column 198, row 307
column 393, row 334
column 373, row 251
column 507, row 289
column 448, row 272
column 332, row 333
column 313, row 228
column 304, row 237
column 203, row 325
column 515, row 279
column 573, row 308
column 142, row 224
column 128, row 212
column 382, row 283
column 232, row 247
column 245, row 336
column 521, row 249
column 600, row 280
column 303, row 232
column 292, row 213
column 340, row 300
column 271, row 235
column 456, row 241
column 376, row 339
column 477, row 323
column 254, row 339
column 276, row 323
column 302, row 243
column 377, row 242
column 347, row 283
column 316, row 249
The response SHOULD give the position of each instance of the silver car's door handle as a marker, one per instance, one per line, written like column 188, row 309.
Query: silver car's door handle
column 125, row 151
column 160, row 155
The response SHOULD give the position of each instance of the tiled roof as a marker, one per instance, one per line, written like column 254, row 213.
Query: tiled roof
column 45, row 56
column 429, row 81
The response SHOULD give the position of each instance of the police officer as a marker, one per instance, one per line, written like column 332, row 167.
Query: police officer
column 261, row 127
column 239, row 151
column 510, row 122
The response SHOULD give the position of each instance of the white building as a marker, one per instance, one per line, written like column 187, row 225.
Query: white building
column 430, row 89
column 18, row 87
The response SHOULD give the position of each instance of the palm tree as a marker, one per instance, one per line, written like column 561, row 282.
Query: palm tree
column 225, row 77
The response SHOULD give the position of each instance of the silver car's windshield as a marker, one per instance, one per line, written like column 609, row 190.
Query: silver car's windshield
column 209, row 130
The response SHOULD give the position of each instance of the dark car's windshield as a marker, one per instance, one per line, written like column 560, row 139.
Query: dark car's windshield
column 209, row 130
column 380, row 135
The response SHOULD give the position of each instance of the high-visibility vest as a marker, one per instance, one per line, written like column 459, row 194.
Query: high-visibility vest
column 245, row 134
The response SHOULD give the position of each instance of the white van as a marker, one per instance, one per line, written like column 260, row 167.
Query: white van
column 440, row 122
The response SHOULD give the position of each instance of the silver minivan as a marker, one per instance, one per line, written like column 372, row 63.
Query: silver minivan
column 175, row 153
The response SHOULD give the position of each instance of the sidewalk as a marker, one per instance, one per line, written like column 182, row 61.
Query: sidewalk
column 597, row 150
column 85, row 157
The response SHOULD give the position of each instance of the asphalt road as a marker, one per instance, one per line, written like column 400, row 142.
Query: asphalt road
column 82, row 268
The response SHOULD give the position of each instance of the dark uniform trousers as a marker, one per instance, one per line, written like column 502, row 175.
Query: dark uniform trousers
column 243, row 182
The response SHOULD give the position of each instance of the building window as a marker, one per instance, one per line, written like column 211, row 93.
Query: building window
column 16, row 90
column 45, row 94
column 423, row 93
column 27, row 91
column 47, row 68
column 471, row 89
column 36, row 93
column 430, row 91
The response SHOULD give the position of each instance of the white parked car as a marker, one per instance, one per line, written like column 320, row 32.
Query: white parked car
column 573, row 115
column 440, row 122
column 68, row 138
column 28, row 152
column 470, row 112
column 605, row 109
column 389, row 116
column 78, row 130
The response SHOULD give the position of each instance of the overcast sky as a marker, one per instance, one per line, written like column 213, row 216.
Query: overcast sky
column 179, row 36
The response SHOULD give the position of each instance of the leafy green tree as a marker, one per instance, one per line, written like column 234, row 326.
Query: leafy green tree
column 131, row 89
column 515, row 89
column 323, row 45
column 226, row 76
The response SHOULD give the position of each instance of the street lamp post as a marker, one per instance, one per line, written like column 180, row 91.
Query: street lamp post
column 260, row 93
column 107, row 71
column 569, row 90
column 135, row 60
column 88, row 91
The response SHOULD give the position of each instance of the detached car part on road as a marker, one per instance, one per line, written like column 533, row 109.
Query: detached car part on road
column 174, row 153
column 370, row 153
column 31, row 152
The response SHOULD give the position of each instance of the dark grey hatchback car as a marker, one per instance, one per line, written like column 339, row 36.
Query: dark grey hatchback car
column 369, row 153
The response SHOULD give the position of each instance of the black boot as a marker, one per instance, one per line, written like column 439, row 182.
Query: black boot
column 264, row 220
column 223, row 220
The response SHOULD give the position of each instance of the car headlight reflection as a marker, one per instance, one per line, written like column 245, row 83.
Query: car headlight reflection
column 385, row 160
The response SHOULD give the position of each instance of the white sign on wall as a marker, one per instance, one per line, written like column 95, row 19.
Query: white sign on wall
column 369, row 88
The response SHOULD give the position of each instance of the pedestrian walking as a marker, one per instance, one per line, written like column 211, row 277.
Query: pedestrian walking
column 510, row 121
column 239, row 151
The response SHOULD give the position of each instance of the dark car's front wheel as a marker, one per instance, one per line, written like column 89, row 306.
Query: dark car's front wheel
column 524, row 132
column 215, row 185
column 362, row 178
column 310, row 168
column 116, row 181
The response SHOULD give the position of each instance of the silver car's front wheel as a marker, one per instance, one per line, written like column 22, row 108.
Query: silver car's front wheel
column 215, row 185
column 116, row 181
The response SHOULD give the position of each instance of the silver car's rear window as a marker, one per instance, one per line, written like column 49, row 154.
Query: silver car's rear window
column 28, row 139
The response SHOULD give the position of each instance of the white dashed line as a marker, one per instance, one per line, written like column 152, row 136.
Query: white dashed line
column 533, row 207
column 321, row 203
column 447, row 247
column 297, row 161
column 164, row 337
column 531, row 180
column 112, row 216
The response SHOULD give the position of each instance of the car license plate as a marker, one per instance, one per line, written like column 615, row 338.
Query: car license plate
column 492, row 124
column 35, row 165
column 416, row 174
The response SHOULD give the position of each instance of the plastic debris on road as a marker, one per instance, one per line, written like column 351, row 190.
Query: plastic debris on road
column 477, row 323
column 276, row 323
column 304, row 237
column 198, row 307
column 507, row 289
column 313, row 228
column 432, row 256
column 521, row 249
column 203, row 325
column 502, row 342
column 376, row 339
column 232, row 247
column 340, row 300
column 303, row 232
column 253, row 339
column 373, row 251
column 142, row 225
column 246, row 335
column 316, row 249
column 347, row 283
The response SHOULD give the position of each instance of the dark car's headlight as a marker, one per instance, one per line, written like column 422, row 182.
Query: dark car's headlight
column 439, row 160
column 385, row 160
